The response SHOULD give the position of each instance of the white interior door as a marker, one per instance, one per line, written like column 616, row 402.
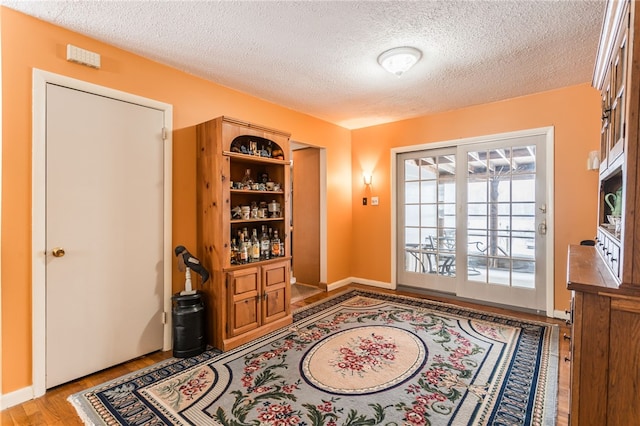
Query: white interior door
column 104, row 232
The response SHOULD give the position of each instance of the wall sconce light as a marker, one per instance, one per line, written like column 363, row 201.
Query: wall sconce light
column 593, row 163
column 367, row 178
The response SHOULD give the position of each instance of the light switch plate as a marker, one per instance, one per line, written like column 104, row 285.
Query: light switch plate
column 374, row 201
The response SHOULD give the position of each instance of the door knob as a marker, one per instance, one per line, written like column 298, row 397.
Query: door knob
column 57, row 252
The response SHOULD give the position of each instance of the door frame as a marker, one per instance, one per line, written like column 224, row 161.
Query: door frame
column 548, row 133
column 38, row 220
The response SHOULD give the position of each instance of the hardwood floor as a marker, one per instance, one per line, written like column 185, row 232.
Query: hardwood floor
column 53, row 408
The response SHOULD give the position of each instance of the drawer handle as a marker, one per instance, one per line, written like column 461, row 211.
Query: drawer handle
column 566, row 337
column 567, row 359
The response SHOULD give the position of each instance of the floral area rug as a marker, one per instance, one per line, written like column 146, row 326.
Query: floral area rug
column 360, row 358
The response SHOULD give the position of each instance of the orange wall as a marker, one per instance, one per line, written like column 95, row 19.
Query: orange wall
column 574, row 112
column 357, row 237
column 29, row 43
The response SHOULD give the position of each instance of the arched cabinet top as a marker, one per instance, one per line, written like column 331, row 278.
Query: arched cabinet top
column 257, row 146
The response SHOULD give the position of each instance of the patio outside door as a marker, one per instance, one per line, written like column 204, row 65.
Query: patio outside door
column 472, row 220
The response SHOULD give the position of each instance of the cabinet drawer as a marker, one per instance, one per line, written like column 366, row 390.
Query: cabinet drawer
column 609, row 249
column 614, row 259
column 245, row 281
column 276, row 274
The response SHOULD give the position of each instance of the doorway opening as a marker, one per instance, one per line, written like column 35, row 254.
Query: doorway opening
column 308, row 225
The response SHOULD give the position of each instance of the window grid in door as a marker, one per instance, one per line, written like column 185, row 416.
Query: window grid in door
column 430, row 214
column 501, row 216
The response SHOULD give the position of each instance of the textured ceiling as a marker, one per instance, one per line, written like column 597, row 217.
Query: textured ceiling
column 320, row 57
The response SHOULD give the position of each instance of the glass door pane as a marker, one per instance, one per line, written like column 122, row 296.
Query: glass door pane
column 501, row 216
column 504, row 197
column 427, row 218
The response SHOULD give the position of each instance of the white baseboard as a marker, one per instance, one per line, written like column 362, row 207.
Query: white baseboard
column 353, row 280
column 338, row 284
column 372, row 283
column 381, row 284
column 16, row 397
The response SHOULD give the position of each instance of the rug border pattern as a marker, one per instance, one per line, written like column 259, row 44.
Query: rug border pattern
column 544, row 407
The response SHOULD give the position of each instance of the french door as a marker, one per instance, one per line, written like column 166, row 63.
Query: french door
column 472, row 220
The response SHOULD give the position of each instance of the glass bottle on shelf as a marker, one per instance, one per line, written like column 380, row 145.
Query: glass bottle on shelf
column 234, row 252
column 275, row 244
column 255, row 246
column 265, row 244
column 244, row 251
column 282, row 247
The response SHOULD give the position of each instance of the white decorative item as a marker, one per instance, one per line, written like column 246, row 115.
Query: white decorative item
column 188, row 289
column 593, row 163
column 274, row 209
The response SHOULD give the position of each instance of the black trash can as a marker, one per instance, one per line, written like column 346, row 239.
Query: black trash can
column 188, row 325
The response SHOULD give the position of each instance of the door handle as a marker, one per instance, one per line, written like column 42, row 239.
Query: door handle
column 57, row 252
column 542, row 228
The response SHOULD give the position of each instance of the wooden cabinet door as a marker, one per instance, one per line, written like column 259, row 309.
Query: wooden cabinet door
column 624, row 357
column 276, row 287
column 244, row 300
column 590, row 341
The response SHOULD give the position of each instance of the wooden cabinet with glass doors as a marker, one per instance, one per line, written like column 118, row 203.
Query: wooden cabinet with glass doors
column 617, row 76
column 605, row 279
column 243, row 173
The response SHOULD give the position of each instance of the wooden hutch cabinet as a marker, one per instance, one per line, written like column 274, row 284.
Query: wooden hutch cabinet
column 605, row 278
column 243, row 173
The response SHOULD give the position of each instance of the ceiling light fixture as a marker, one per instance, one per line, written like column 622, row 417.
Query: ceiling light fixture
column 399, row 59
